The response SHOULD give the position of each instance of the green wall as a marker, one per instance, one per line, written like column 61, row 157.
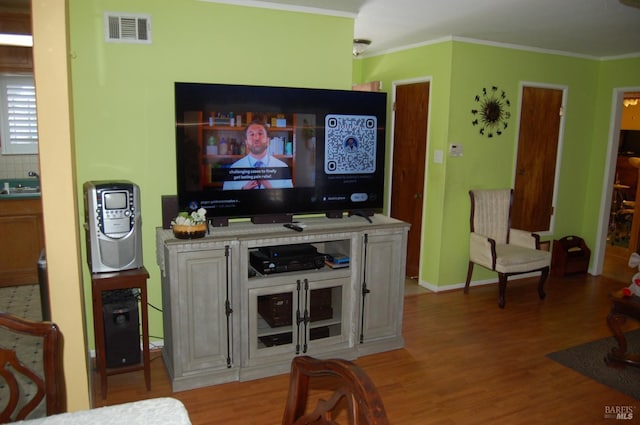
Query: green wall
column 458, row 71
column 124, row 124
column 123, row 93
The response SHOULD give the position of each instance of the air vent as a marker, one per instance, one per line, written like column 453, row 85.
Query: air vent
column 127, row 28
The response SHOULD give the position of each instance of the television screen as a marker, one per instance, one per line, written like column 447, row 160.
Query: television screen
column 246, row 151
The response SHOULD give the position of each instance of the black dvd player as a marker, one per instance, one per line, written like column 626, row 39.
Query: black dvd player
column 288, row 251
column 269, row 260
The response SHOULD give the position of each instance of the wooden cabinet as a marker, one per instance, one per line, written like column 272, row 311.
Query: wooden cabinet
column 15, row 58
column 21, row 241
column 102, row 283
column 226, row 320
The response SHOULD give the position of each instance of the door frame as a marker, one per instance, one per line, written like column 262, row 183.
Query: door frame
column 387, row 210
column 609, row 178
column 556, row 177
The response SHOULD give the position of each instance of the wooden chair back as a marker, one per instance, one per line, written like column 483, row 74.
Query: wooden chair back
column 363, row 403
column 491, row 213
column 17, row 374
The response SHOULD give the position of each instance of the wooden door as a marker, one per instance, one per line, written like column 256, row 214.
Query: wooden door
column 409, row 150
column 540, row 116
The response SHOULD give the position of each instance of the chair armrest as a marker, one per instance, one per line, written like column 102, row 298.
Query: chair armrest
column 524, row 238
column 482, row 250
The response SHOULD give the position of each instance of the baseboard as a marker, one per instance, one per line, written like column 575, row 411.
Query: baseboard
column 453, row 286
column 154, row 346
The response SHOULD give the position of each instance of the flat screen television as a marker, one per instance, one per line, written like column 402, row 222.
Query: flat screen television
column 271, row 152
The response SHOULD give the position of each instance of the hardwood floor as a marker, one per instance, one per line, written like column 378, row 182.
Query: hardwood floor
column 465, row 361
column 616, row 264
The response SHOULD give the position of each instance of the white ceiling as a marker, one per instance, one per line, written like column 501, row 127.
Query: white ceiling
column 592, row 28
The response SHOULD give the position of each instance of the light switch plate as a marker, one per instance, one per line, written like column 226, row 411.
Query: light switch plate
column 456, row 149
column 438, row 156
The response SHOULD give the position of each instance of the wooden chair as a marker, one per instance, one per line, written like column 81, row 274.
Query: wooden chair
column 495, row 245
column 363, row 403
column 16, row 373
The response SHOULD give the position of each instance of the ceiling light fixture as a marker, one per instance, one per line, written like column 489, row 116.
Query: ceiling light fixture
column 16, row 40
column 360, row 45
column 630, row 101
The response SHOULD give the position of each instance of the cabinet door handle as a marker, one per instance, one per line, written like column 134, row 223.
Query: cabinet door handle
column 298, row 317
column 306, row 314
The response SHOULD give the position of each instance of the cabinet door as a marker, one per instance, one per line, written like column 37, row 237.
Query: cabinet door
column 15, row 58
column 205, row 329
column 274, row 314
column 300, row 318
column 382, row 287
column 21, row 241
column 327, row 324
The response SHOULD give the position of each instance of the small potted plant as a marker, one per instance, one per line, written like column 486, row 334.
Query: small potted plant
column 190, row 226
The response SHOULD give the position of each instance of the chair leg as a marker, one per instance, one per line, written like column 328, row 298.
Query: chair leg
column 543, row 279
column 502, row 285
column 469, row 273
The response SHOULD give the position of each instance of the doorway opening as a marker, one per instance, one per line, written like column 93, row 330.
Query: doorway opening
column 611, row 255
column 620, row 214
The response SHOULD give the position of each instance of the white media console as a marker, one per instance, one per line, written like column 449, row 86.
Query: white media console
column 223, row 321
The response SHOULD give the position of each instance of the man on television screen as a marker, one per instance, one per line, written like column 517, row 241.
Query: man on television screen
column 259, row 168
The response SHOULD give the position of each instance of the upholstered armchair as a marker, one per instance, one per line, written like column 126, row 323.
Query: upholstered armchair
column 494, row 245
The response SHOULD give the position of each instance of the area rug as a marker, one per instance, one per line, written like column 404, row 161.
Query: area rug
column 588, row 359
column 23, row 301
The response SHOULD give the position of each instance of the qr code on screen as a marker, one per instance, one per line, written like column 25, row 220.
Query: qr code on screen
column 350, row 144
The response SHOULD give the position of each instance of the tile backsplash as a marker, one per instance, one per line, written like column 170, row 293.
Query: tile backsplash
column 17, row 166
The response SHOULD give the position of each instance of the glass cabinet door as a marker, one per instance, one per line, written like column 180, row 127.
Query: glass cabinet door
column 275, row 319
column 325, row 312
column 272, row 320
column 297, row 318
column 325, row 327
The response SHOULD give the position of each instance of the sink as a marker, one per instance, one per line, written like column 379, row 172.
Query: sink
column 21, row 192
column 20, row 188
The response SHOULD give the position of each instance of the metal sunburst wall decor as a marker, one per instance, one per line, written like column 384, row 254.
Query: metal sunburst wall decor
column 491, row 111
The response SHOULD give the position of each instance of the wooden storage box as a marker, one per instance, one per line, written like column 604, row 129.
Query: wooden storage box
column 320, row 305
column 276, row 309
column 277, row 339
column 570, row 256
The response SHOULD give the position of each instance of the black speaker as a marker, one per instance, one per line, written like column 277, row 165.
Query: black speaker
column 169, row 209
column 121, row 330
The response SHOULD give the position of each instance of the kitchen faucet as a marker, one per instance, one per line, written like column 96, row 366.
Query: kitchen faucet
column 33, row 174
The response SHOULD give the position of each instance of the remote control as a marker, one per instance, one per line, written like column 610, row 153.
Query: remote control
column 293, row 227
